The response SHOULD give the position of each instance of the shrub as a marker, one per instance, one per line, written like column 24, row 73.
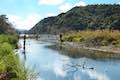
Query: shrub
column 5, row 49
column 9, row 61
column 11, row 39
column 99, row 37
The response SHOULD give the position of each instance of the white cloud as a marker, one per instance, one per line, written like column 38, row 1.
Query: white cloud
column 67, row 6
column 24, row 23
column 50, row 2
column 80, row 3
column 50, row 14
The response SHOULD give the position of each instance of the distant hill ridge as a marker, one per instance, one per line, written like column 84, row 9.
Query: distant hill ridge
column 81, row 18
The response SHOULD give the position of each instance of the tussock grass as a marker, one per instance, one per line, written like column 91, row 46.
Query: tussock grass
column 98, row 37
column 10, row 62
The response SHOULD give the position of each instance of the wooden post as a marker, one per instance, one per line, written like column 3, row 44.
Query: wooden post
column 24, row 46
column 60, row 36
column 24, row 42
column 37, row 36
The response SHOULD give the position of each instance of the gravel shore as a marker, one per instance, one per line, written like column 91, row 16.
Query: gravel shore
column 109, row 49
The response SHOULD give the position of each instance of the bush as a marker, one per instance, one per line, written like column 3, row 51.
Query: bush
column 9, row 61
column 11, row 39
column 5, row 49
column 98, row 37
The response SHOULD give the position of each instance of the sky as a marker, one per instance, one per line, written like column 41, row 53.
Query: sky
column 24, row 14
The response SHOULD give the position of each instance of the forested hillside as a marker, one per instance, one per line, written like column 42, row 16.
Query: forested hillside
column 81, row 18
column 5, row 26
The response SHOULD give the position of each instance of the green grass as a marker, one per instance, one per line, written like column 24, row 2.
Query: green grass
column 12, row 40
column 9, row 61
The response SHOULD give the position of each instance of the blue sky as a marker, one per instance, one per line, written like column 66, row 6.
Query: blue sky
column 24, row 14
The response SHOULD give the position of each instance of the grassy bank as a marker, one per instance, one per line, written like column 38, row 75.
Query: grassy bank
column 94, row 38
column 99, row 40
column 10, row 66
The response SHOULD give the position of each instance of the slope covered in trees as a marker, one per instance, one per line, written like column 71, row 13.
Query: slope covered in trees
column 5, row 26
column 81, row 18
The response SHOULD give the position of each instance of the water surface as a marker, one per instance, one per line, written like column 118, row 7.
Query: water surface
column 53, row 65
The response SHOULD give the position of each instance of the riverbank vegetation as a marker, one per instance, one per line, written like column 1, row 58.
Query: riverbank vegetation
column 5, row 26
column 94, row 38
column 10, row 66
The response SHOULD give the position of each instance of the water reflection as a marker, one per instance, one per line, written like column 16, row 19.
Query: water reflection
column 93, row 74
column 71, row 71
column 59, row 70
column 78, row 53
column 55, row 64
column 24, row 54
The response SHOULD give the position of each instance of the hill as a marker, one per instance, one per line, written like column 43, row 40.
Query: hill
column 6, row 26
column 81, row 18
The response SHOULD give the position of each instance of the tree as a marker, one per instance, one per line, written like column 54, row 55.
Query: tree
column 5, row 26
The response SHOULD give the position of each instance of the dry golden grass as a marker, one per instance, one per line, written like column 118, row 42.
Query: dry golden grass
column 103, row 37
